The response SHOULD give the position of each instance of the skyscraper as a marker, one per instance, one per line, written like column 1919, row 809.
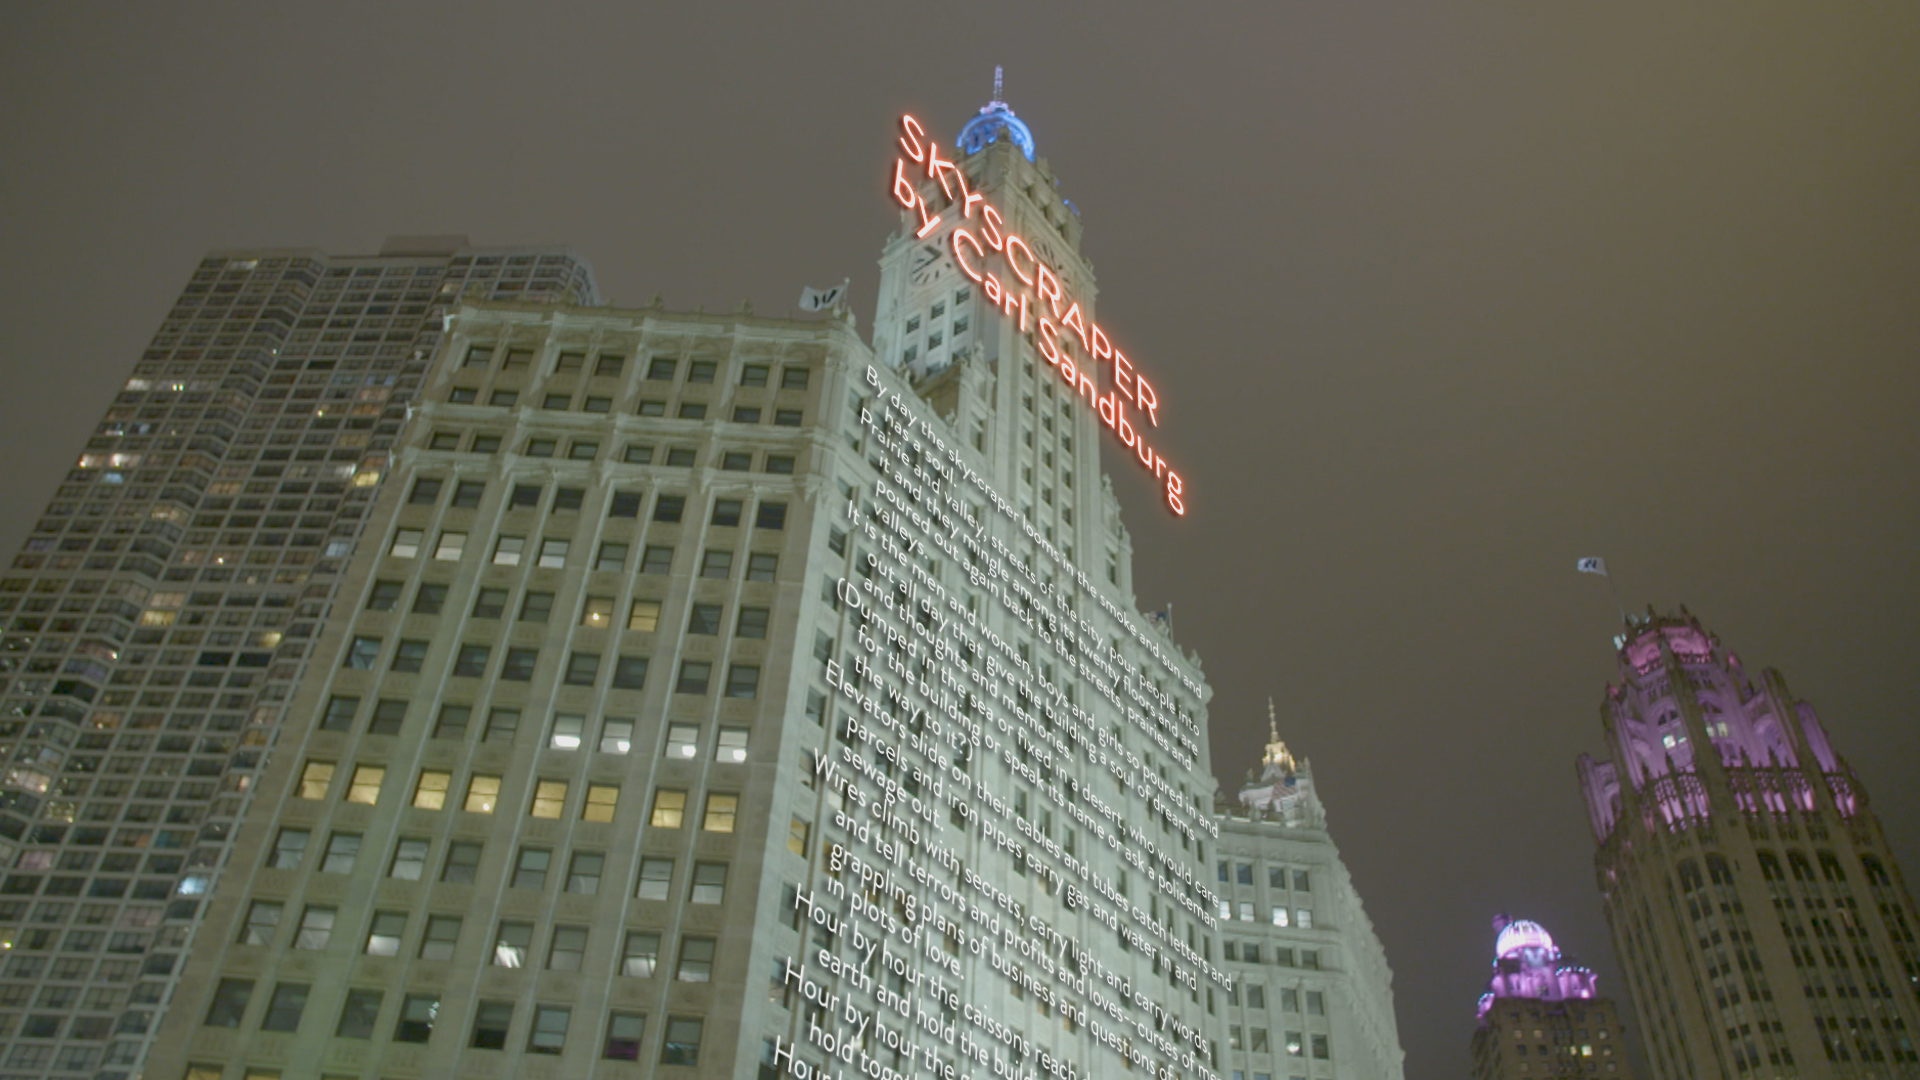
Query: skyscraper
column 1540, row 1015
column 1754, row 902
column 1312, row 993
column 164, row 606
column 714, row 695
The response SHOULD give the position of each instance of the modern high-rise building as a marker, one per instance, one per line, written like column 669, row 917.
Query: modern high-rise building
column 165, row 604
column 1754, row 901
column 1540, row 1016
column 1312, row 992
column 721, row 696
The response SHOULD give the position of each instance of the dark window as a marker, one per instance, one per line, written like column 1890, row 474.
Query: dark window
column 680, row 457
column 726, row 511
column 536, row 607
column 625, row 504
column 638, row 454
column 705, row 619
column 489, row 603
column 525, row 495
column 780, row 463
column 339, row 714
column 467, row 493
column 568, row 498
column 771, row 515
column 284, row 1009
column 743, row 681
column 425, row 490
column 357, row 1016
column 490, row 1024
column 630, row 673
column 229, row 1002
column 387, row 716
column 745, row 414
column 786, row 417
column 761, row 566
column 409, row 656
column 753, row 375
column 430, row 599
column 661, row 369
column 753, row 623
column 519, row 665
column 694, row 676
column 608, row 364
column 472, row 660
column 384, row 597
column 700, row 371
column 793, row 378
column 416, row 1018
column 692, row 410
column 658, row 560
column 582, row 669
column 669, row 508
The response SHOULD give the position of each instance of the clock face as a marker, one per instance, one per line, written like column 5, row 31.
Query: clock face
column 926, row 264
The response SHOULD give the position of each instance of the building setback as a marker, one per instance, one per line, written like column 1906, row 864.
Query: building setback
column 1312, row 992
column 1540, row 1015
column 714, row 696
column 165, row 604
column 1754, row 902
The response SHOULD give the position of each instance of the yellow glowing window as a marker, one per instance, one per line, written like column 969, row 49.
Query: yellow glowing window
column 482, row 793
column 598, row 612
column 601, row 799
column 549, row 797
column 644, row 616
column 157, row 618
column 669, row 808
column 365, row 787
column 432, row 792
column 797, row 831
column 720, row 812
column 314, row 779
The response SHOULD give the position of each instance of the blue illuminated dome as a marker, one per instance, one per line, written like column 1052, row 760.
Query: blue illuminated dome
column 995, row 120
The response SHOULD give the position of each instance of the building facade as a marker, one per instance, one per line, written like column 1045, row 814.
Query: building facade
column 1312, row 995
column 165, row 604
column 718, row 696
column 1754, row 902
column 1540, row 1015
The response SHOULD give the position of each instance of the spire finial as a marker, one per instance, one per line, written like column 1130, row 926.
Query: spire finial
column 1273, row 723
column 996, row 82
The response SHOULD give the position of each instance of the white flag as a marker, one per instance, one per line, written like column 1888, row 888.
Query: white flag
column 812, row 299
column 1591, row 565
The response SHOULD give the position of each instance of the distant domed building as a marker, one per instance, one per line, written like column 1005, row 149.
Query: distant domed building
column 1540, row 1015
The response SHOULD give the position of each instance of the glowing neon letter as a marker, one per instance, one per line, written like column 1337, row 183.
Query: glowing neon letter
column 910, row 139
column 961, row 257
column 1143, row 396
column 995, row 240
column 1052, row 295
column 1123, row 374
column 938, row 167
column 1102, row 348
column 1023, row 275
column 1174, row 489
column 1072, row 319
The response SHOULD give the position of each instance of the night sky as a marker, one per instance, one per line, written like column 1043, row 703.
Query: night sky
column 1438, row 297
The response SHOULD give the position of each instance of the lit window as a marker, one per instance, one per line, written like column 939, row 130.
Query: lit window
column 431, row 792
column 567, row 731
column 511, row 944
column 314, row 779
column 450, row 546
column 644, row 616
column 409, row 860
column 406, row 543
column 732, row 745
column 1280, row 916
column 721, row 809
column 598, row 612
column 743, row 680
column 797, row 834
column 383, row 937
column 549, row 798
column 507, row 550
column 616, row 735
column 601, row 800
column 553, row 553
column 669, row 807
column 362, row 653
column 641, row 955
column 482, row 793
column 365, row 787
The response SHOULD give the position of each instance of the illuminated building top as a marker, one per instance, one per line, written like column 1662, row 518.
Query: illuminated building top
column 995, row 119
column 1527, row 964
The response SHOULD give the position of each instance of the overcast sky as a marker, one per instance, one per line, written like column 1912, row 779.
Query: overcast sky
column 1439, row 297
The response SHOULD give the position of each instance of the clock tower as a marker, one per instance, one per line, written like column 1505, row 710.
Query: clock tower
column 978, row 365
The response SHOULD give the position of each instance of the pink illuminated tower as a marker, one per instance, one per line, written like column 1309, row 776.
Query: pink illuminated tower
column 1755, row 905
column 1540, row 1016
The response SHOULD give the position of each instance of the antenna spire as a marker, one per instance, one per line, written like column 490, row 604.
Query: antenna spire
column 996, row 82
column 1273, row 723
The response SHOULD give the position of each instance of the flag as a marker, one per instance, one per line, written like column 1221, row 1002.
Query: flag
column 1161, row 620
column 1591, row 565
column 812, row 299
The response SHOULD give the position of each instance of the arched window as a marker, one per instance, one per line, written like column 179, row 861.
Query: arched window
column 1802, row 869
column 1718, row 870
column 1830, row 867
column 1690, row 880
column 1770, row 865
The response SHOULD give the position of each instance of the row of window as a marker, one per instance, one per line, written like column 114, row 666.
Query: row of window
column 1300, row 917
column 610, row 365
column 583, row 668
column 1277, row 876
column 1296, row 1043
column 596, row 612
column 482, row 792
column 597, row 403
column 683, row 457
column 1250, row 952
column 419, row 1012
column 611, row 557
column 668, row 508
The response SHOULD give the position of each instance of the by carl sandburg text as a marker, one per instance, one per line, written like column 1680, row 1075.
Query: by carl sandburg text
column 899, row 919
